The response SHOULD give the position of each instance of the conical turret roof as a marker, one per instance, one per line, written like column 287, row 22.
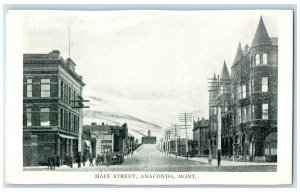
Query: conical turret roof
column 214, row 78
column 213, row 83
column 225, row 74
column 261, row 36
column 238, row 55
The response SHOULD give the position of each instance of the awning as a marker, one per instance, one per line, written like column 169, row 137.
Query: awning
column 67, row 136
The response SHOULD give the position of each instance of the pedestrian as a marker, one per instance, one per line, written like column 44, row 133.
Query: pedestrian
column 209, row 159
column 84, row 158
column 57, row 160
column 78, row 159
column 102, row 159
column 52, row 162
column 91, row 159
column 107, row 159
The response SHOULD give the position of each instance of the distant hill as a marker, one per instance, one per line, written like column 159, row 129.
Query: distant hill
column 102, row 111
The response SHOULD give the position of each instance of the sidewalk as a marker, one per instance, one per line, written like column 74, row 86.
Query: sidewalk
column 75, row 165
column 214, row 162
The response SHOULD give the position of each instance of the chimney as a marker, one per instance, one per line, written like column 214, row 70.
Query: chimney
column 93, row 123
column 55, row 54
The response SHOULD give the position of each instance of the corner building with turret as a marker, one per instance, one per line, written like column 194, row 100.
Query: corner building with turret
column 248, row 101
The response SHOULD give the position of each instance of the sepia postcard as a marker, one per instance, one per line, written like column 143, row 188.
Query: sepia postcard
column 148, row 97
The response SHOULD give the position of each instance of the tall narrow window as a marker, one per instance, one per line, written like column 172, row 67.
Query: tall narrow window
column 61, row 118
column 77, row 129
column 70, row 95
column 240, row 91
column 249, row 113
column 29, row 88
column 239, row 115
column 244, row 115
column 264, row 84
column 65, row 93
column 62, row 90
column 225, row 106
column 45, row 116
column 29, row 116
column 45, row 87
column 74, row 98
column 70, row 121
column 66, row 119
column 74, row 123
column 215, row 110
column 257, row 59
column 265, row 111
column 243, row 91
column 265, row 59
column 252, row 112
column 252, row 86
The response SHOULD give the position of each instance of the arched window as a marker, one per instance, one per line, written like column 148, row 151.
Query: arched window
column 257, row 59
column 265, row 59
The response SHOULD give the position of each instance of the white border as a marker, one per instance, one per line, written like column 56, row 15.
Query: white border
column 14, row 170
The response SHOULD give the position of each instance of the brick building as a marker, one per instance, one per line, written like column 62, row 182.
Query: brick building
column 249, row 102
column 201, row 134
column 50, row 123
column 109, row 138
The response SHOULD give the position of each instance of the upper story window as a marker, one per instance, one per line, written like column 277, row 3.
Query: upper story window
column 249, row 113
column 252, row 86
column 70, row 95
column 242, row 92
column 265, row 59
column 61, row 118
column 29, row 88
column 215, row 110
column 45, row 116
column 265, row 111
column 252, row 112
column 239, row 118
column 225, row 106
column 264, row 84
column 257, row 59
column 29, row 117
column 74, row 98
column 45, row 87
column 62, row 90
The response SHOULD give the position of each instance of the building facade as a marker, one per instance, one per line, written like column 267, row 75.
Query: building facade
column 249, row 102
column 148, row 139
column 201, row 134
column 109, row 138
column 50, row 121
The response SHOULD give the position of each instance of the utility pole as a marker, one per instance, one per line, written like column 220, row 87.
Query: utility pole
column 219, row 135
column 185, row 118
column 79, row 106
column 176, row 147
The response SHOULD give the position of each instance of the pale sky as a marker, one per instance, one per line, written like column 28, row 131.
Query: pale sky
column 151, row 65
